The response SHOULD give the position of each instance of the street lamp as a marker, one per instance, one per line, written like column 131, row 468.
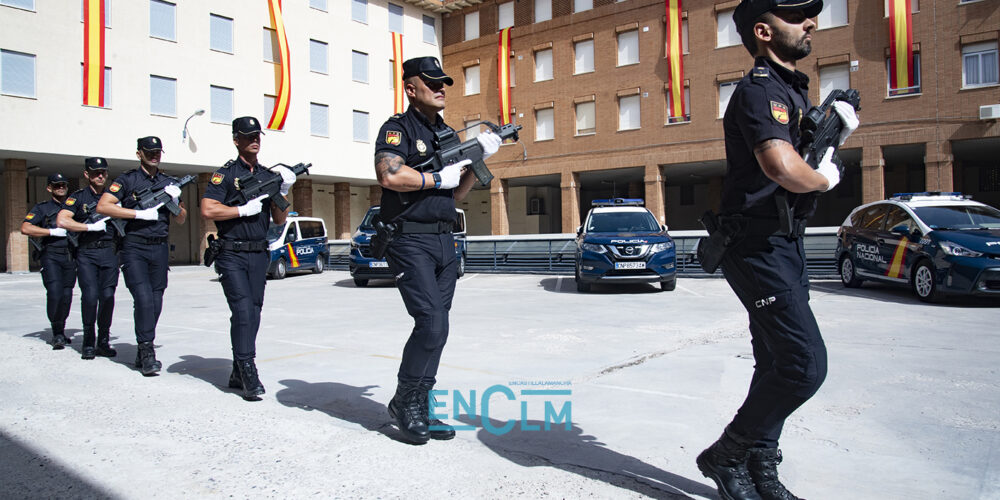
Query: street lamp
column 184, row 134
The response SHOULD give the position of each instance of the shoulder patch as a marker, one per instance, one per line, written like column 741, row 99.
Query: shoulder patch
column 217, row 178
column 29, row 216
column 70, row 202
column 115, row 187
column 779, row 111
column 761, row 72
column 393, row 137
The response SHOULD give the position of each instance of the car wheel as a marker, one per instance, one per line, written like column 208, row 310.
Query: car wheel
column 280, row 270
column 923, row 282
column 848, row 273
column 320, row 264
column 461, row 266
column 580, row 285
column 668, row 286
column 358, row 282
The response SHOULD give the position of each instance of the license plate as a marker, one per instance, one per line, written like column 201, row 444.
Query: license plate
column 630, row 265
column 378, row 263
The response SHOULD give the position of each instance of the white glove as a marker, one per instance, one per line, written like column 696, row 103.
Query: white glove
column 287, row 179
column 452, row 174
column 490, row 142
column 173, row 191
column 252, row 207
column 149, row 213
column 848, row 117
column 97, row 226
column 829, row 170
column 58, row 232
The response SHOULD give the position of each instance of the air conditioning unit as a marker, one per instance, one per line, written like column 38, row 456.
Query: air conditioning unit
column 989, row 112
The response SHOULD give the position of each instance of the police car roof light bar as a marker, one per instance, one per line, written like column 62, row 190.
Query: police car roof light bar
column 910, row 196
column 618, row 202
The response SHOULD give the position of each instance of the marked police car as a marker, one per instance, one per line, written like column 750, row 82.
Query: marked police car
column 364, row 267
column 298, row 245
column 621, row 242
column 937, row 243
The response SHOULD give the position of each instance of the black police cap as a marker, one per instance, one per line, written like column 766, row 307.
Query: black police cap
column 428, row 68
column 149, row 143
column 246, row 125
column 748, row 11
column 95, row 163
column 57, row 178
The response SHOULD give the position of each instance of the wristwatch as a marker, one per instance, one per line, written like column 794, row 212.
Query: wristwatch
column 437, row 180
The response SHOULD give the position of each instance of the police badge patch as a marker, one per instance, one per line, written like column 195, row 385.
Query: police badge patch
column 29, row 216
column 392, row 137
column 779, row 112
column 115, row 187
column 421, row 147
column 217, row 178
column 70, row 202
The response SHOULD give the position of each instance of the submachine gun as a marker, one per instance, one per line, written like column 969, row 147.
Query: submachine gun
column 448, row 150
column 260, row 183
column 155, row 195
column 73, row 237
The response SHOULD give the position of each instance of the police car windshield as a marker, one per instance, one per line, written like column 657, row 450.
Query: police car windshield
column 959, row 217
column 274, row 232
column 367, row 222
column 622, row 222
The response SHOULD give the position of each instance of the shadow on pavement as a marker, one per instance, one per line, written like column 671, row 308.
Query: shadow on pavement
column 46, row 336
column 893, row 294
column 573, row 451
column 568, row 285
column 374, row 283
column 215, row 371
column 28, row 473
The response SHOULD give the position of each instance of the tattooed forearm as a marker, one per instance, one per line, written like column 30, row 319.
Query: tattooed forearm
column 768, row 144
column 387, row 163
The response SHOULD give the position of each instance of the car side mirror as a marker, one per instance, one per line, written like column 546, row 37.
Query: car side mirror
column 663, row 227
column 901, row 229
column 290, row 238
column 579, row 230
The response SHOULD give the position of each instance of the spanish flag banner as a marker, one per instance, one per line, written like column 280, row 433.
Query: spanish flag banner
column 93, row 53
column 675, row 62
column 900, row 47
column 283, row 70
column 503, row 75
column 399, row 99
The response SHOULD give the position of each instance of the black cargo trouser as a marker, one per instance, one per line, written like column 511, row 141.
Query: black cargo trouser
column 243, row 276
column 59, row 277
column 145, row 268
column 97, row 269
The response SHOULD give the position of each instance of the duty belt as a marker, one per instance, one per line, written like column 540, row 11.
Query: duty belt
column 763, row 226
column 425, row 227
column 243, row 246
column 98, row 244
column 142, row 240
column 53, row 249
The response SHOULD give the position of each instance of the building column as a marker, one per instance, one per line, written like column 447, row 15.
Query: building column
column 302, row 193
column 570, row 185
column 342, row 210
column 655, row 200
column 938, row 167
column 204, row 227
column 15, row 205
column 499, row 221
column 872, row 174
column 374, row 195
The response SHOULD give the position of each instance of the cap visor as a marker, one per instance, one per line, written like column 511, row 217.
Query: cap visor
column 438, row 76
column 261, row 132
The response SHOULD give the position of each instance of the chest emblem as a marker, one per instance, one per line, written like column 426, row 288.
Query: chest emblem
column 392, row 137
column 115, row 187
column 421, row 147
column 29, row 216
column 779, row 111
column 217, row 178
column 70, row 202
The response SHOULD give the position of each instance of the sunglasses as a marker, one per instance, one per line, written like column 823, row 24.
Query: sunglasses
column 60, row 185
column 97, row 173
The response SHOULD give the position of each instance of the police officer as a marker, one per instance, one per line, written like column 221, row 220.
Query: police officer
column 421, row 206
column 96, row 259
column 58, row 268
column 766, row 266
column 243, row 257
column 145, row 253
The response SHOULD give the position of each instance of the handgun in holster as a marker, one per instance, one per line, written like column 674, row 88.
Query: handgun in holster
column 721, row 236
column 384, row 233
column 212, row 250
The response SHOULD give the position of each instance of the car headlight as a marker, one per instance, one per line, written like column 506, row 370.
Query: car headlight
column 659, row 247
column 958, row 250
column 590, row 247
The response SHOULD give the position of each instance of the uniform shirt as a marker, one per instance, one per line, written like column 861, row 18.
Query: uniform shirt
column 136, row 180
column 767, row 104
column 222, row 187
column 411, row 136
column 83, row 204
column 44, row 215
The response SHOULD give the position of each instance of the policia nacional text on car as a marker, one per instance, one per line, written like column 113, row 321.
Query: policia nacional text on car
column 145, row 253
column 420, row 207
column 243, row 257
column 765, row 262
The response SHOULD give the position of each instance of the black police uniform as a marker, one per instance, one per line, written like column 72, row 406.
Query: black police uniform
column 422, row 254
column 97, row 266
column 58, row 268
column 242, row 260
column 767, row 266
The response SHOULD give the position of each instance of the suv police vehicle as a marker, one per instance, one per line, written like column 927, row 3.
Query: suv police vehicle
column 298, row 245
column 621, row 242
column 937, row 243
column 364, row 267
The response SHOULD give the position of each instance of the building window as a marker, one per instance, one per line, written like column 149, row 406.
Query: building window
column 360, row 126
column 914, row 7
column 472, row 26
column 395, row 18
column 162, row 18
column 979, row 65
column 220, row 33
column 20, row 4
column 544, row 124
column 359, row 66
column 725, row 92
column 543, row 10
column 582, row 5
column 833, row 78
column 359, row 11
column 543, row 65
column 271, row 48
column 505, row 15
column 318, row 4
column 317, row 56
column 834, row 14
column 726, row 33
column 107, row 85
column 107, row 11
column 268, row 108
column 319, row 122
column 221, row 102
column 914, row 88
column 583, row 52
column 472, row 80
column 628, row 47
column 162, row 96
column 471, row 129
column 628, row 112
column 430, row 31
column 687, row 107
column 586, row 118
column 17, row 73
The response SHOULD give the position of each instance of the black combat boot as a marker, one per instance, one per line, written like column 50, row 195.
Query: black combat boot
column 234, row 377
column 438, row 429
column 249, row 380
column 59, row 339
column 763, row 467
column 104, row 348
column 88, row 351
column 410, row 411
column 145, row 359
column 725, row 462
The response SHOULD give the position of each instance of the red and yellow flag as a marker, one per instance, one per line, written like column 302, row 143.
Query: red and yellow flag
column 93, row 53
column 900, row 45
column 283, row 70
column 503, row 75
column 399, row 100
column 675, row 61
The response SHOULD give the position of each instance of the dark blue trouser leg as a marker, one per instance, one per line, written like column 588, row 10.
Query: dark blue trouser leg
column 243, row 276
column 59, row 278
column 145, row 270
